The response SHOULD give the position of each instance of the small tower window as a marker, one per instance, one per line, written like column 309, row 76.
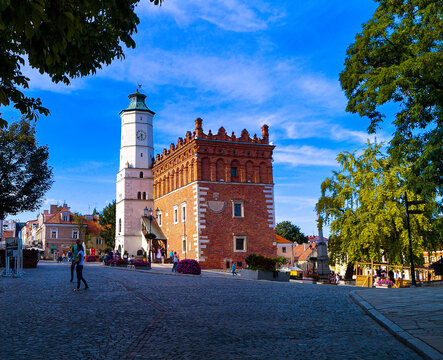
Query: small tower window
column 119, row 225
column 141, row 154
column 141, row 174
column 139, row 195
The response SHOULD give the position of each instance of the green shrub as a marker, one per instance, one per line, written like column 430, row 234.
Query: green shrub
column 281, row 260
column 259, row 262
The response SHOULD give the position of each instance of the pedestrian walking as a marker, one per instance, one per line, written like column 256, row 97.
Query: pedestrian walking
column 337, row 279
column 171, row 256
column 79, row 261
column 75, row 250
column 233, row 269
column 175, row 262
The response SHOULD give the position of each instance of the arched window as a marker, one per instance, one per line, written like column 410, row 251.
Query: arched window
column 139, row 195
column 206, row 169
column 141, row 174
column 263, row 173
column 249, row 172
column 220, row 170
column 235, row 171
column 191, row 171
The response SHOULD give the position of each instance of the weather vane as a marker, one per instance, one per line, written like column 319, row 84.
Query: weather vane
column 139, row 86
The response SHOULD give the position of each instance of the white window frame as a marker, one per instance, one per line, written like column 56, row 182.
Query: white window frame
column 244, row 243
column 175, row 212
column 183, row 213
column 98, row 241
column 159, row 218
column 65, row 217
column 184, row 241
column 76, row 232
column 242, row 207
column 56, row 233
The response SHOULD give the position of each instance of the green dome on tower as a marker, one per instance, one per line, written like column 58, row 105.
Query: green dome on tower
column 137, row 102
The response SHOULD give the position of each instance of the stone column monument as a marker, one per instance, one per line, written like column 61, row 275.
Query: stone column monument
column 322, row 253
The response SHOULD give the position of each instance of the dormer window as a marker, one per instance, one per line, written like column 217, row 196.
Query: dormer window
column 65, row 217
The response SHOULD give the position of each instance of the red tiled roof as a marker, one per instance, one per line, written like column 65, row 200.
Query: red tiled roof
column 57, row 219
column 279, row 239
column 303, row 251
column 315, row 239
column 93, row 227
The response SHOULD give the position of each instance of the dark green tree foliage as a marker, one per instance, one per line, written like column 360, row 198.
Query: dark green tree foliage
column 107, row 221
column 260, row 262
column 62, row 38
column 290, row 232
column 25, row 175
column 398, row 57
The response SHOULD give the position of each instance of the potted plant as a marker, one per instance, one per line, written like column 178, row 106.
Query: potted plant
column 189, row 266
column 311, row 278
column 263, row 268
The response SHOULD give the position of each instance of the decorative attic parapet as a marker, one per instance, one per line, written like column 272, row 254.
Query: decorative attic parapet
column 223, row 136
column 220, row 136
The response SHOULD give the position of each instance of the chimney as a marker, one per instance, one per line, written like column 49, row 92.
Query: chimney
column 265, row 133
column 198, row 127
column 52, row 209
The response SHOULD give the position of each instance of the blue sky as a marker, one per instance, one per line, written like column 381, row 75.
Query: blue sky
column 237, row 64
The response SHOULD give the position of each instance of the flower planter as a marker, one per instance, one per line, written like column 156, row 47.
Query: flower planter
column 147, row 267
column 265, row 275
column 309, row 281
column 382, row 286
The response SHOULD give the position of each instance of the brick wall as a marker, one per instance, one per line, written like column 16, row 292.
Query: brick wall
column 208, row 172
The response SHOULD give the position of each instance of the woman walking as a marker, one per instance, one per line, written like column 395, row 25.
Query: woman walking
column 175, row 260
column 79, row 261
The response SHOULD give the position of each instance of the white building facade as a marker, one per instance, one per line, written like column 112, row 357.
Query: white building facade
column 135, row 184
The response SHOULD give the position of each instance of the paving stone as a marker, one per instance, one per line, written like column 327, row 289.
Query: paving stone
column 135, row 315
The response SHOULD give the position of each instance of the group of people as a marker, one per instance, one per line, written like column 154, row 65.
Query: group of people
column 111, row 255
column 160, row 254
column 78, row 256
column 391, row 275
column 334, row 278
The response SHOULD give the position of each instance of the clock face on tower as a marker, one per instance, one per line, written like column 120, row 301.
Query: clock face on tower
column 141, row 135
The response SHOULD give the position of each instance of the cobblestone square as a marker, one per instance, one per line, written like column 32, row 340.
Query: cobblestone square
column 134, row 315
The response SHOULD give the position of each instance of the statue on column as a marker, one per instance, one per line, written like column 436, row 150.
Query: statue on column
column 322, row 253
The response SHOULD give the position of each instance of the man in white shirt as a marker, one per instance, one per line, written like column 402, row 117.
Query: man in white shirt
column 79, row 261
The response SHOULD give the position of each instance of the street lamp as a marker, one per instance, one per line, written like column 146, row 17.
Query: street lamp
column 149, row 212
column 408, row 212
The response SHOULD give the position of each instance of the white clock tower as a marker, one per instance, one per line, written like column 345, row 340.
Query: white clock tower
column 135, row 184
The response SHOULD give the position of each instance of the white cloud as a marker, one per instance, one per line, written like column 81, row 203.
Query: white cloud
column 302, row 201
column 305, row 155
column 340, row 134
column 51, row 201
column 231, row 15
column 227, row 77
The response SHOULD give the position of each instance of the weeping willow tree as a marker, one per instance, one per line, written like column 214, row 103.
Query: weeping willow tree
column 363, row 203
